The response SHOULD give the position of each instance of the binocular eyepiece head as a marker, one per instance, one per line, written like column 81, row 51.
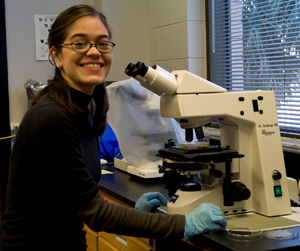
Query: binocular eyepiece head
column 139, row 68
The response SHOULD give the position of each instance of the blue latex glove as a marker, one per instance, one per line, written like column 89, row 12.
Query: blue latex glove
column 150, row 200
column 205, row 218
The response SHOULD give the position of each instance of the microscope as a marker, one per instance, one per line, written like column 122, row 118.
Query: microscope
column 245, row 172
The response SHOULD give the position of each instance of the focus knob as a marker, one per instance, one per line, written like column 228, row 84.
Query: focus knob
column 276, row 175
column 241, row 192
column 218, row 174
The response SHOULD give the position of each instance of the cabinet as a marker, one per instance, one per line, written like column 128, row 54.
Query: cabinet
column 91, row 239
column 122, row 243
column 103, row 241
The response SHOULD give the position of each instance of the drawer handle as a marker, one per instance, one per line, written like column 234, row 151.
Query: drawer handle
column 121, row 239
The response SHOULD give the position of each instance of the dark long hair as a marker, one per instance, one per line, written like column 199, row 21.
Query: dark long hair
column 57, row 87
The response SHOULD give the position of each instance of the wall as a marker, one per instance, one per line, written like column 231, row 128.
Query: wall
column 170, row 33
column 128, row 21
column 177, row 35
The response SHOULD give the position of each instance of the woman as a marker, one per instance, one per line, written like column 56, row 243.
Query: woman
column 55, row 168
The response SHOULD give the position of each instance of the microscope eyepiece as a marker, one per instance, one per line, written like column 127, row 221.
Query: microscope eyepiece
column 129, row 70
column 139, row 68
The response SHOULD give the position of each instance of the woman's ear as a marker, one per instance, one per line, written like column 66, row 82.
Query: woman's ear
column 56, row 57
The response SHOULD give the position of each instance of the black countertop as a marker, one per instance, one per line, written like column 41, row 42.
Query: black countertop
column 128, row 189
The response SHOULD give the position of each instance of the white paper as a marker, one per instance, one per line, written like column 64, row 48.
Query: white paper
column 43, row 24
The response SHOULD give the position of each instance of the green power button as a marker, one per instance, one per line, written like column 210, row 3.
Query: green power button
column 277, row 191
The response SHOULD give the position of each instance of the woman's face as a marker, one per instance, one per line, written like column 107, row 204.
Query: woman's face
column 84, row 70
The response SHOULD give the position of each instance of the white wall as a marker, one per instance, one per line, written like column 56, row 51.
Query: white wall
column 177, row 38
column 128, row 21
column 170, row 33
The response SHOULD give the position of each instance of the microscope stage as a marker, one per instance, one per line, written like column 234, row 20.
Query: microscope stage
column 199, row 154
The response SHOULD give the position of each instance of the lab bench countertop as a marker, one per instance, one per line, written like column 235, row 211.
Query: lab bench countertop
column 128, row 189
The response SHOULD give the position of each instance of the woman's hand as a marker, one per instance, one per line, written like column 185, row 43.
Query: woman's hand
column 150, row 200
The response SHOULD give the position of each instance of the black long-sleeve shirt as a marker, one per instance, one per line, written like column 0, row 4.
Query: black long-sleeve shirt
column 53, row 185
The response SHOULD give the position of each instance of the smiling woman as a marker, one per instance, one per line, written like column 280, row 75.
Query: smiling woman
column 55, row 162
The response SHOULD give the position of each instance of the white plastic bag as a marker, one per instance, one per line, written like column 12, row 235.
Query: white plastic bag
column 134, row 116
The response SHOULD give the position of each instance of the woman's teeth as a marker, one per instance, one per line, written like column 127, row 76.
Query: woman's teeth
column 92, row 65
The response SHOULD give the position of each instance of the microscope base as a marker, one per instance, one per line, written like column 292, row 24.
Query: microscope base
column 184, row 202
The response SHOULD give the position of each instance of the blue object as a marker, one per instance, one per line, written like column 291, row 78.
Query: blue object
column 109, row 146
column 150, row 200
column 205, row 218
column 174, row 198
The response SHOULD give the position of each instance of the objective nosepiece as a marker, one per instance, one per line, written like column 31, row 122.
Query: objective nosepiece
column 189, row 135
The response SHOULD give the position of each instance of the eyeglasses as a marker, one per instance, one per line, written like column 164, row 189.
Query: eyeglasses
column 84, row 46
